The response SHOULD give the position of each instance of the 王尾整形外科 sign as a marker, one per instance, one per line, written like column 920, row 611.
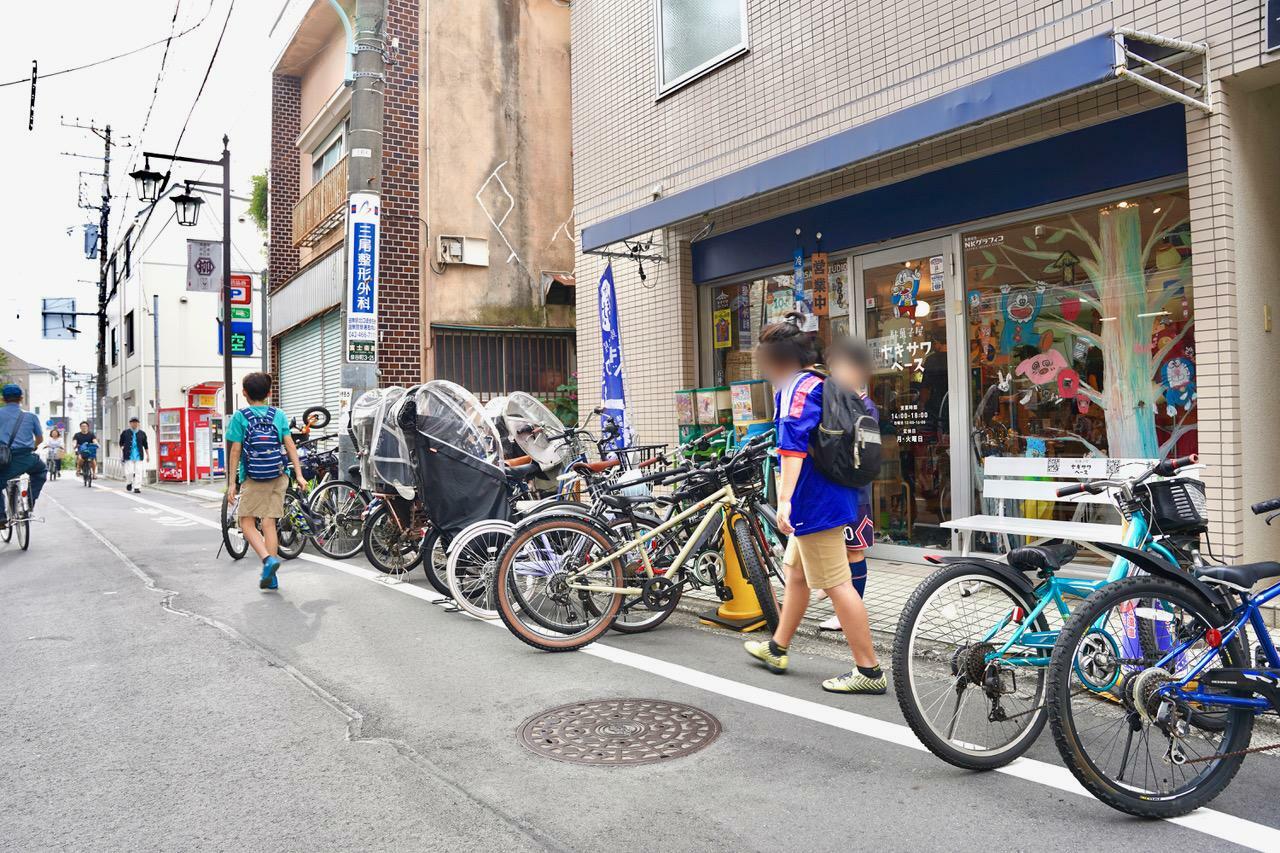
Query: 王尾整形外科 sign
column 362, row 277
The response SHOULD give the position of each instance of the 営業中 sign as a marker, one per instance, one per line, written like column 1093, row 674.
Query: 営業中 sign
column 362, row 277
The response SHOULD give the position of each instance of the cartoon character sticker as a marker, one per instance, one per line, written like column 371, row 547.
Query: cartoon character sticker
column 906, row 288
column 1021, row 307
column 986, row 342
column 1178, row 376
column 1042, row 368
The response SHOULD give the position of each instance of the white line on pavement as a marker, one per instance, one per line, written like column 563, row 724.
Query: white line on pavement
column 1237, row 830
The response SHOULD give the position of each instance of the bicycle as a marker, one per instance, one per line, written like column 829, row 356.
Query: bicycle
column 88, row 456
column 567, row 576
column 18, row 505
column 292, row 530
column 1193, row 699
column 980, row 627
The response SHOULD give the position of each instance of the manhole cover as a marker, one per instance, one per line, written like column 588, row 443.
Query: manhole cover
column 619, row 732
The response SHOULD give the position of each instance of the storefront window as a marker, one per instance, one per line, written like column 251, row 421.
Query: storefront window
column 1081, row 337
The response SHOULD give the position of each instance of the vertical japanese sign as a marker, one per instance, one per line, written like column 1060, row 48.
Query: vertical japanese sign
column 819, row 272
column 362, row 284
column 613, row 394
column 797, row 278
column 204, row 266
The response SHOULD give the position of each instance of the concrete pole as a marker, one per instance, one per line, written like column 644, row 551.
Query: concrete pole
column 103, row 221
column 364, row 167
column 229, row 400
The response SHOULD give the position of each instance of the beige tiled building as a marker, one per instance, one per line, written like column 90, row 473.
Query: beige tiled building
column 1049, row 254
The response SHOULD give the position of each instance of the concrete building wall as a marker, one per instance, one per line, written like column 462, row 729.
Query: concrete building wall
column 498, row 154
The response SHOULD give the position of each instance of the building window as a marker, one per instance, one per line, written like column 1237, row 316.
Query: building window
column 328, row 153
column 128, row 333
column 695, row 36
column 115, row 347
column 492, row 362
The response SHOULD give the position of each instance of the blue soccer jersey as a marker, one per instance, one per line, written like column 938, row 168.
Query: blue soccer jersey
column 817, row 504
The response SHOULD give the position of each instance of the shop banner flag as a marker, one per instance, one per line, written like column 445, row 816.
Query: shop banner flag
column 613, row 395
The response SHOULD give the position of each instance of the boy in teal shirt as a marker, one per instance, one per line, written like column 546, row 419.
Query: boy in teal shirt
column 259, row 438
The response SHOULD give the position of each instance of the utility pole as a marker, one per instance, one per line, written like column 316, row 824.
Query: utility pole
column 104, row 213
column 364, row 172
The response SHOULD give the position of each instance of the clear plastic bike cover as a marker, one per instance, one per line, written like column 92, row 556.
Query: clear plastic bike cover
column 529, row 423
column 364, row 416
column 392, row 455
column 449, row 413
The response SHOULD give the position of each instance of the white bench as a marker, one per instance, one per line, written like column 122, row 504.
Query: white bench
column 1005, row 479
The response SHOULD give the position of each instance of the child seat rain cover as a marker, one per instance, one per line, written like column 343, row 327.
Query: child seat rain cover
column 530, row 424
column 460, row 477
column 364, row 416
column 392, row 454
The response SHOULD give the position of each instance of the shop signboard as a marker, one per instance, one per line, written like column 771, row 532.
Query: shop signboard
column 819, row 273
column 204, row 266
column 363, row 211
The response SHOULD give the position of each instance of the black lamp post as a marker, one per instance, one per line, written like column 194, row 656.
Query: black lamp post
column 150, row 186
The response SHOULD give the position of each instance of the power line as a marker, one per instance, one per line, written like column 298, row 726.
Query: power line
column 97, row 62
column 216, row 47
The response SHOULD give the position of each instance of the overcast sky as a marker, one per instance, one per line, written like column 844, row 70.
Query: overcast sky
column 37, row 256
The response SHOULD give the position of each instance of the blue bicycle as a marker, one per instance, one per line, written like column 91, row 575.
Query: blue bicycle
column 975, row 638
column 1163, row 730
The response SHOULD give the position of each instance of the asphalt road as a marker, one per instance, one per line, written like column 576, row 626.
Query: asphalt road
column 153, row 698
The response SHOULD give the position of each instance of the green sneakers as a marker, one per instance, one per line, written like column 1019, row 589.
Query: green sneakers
column 856, row 682
column 759, row 649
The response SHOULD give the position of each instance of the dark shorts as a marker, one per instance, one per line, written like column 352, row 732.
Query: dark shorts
column 860, row 535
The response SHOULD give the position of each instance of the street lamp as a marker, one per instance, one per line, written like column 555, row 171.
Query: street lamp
column 150, row 183
column 188, row 206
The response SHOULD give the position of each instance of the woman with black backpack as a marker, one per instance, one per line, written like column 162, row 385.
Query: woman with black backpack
column 813, row 509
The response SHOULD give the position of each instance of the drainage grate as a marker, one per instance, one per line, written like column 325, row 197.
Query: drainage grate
column 619, row 732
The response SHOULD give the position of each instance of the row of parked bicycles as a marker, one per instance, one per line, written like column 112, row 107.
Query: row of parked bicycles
column 1151, row 679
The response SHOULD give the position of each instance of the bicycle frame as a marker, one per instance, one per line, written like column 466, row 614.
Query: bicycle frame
column 716, row 505
column 1054, row 590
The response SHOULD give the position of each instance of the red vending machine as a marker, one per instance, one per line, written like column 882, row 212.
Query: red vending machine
column 185, row 447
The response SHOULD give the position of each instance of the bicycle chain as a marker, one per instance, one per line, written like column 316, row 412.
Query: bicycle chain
column 1248, row 751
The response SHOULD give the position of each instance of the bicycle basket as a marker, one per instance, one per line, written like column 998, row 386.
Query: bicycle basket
column 1177, row 505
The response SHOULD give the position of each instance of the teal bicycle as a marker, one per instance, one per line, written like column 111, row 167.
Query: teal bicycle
column 975, row 638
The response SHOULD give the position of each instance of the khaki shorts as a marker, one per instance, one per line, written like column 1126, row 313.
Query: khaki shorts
column 262, row 498
column 821, row 556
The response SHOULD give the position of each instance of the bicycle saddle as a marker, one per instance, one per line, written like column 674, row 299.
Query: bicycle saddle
column 625, row 501
column 353, row 471
column 1241, row 577
column 522, row 472
column 1049, row 557
column 595, row 467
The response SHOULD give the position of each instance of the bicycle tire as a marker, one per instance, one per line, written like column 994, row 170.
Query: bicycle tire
column 904, row 665
column 343, row 516
column 379, row 543
column 435, row 561
column 1062, row 719
column 511, row 602
column 290, row 541
column 24, row 532
column 232, row 538
column 744, row 542
column 471, row 566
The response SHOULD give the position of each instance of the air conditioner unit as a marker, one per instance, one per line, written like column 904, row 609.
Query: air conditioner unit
column 471, row 251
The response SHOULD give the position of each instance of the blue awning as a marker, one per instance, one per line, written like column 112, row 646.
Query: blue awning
column 1085, row 64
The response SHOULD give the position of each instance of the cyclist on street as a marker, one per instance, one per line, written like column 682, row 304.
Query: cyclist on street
column 84, row 436
column 54, row 447
column 21, row 432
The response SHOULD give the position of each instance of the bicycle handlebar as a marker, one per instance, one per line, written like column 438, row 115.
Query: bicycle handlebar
column 1266, row 506
column 1169, row 467
column 1164, row 468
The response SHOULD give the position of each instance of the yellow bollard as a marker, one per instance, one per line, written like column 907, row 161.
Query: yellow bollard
column 742, row 612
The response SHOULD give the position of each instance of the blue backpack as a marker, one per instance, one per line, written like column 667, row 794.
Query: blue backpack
column 263, row 452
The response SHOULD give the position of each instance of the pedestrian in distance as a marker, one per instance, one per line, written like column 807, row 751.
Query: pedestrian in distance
column 84, row 437
column 813, row 511
column 135, row 452
column 20, row 435
column 850, row 364
column 260, row 439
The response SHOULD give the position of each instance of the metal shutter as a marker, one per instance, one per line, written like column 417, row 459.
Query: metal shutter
column 311, row 365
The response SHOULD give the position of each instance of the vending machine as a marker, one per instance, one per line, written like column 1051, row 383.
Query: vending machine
column 184, row 437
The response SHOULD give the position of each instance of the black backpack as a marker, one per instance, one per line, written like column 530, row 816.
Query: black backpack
column 846, row 445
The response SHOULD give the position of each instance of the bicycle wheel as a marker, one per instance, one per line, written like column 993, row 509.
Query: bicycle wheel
column 291, row 530
column 232, row 537
column 472, row 563
column 435, row 561
column 773, row 542
column 635, row 616
column 969, row 711
column 390, row 545
column 536, row 600
column 1129, row 740
column 24, row 530
column 744, row 542
column 339, row 506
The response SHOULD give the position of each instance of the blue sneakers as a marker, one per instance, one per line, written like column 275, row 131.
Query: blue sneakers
column 269, row 568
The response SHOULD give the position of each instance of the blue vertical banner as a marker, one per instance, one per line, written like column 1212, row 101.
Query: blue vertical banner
column 362, row 272
column 797, row 281
column 613, row 394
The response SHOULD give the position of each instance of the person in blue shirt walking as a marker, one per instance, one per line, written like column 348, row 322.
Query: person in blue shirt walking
column 135, row 452
column 814, row 512
column 21, row 431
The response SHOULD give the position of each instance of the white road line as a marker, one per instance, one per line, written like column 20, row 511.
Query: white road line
column 206, row 493
column 1237, row 830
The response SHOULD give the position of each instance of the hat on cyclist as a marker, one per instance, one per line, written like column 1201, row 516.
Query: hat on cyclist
column 11, row 392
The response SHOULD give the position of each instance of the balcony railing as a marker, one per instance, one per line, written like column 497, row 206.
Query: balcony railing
column 319, row 212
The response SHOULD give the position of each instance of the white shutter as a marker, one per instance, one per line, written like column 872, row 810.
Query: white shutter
column 311, row 365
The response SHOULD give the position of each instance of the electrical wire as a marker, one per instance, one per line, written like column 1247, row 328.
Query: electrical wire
column 177, row 147
column 105, row 60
